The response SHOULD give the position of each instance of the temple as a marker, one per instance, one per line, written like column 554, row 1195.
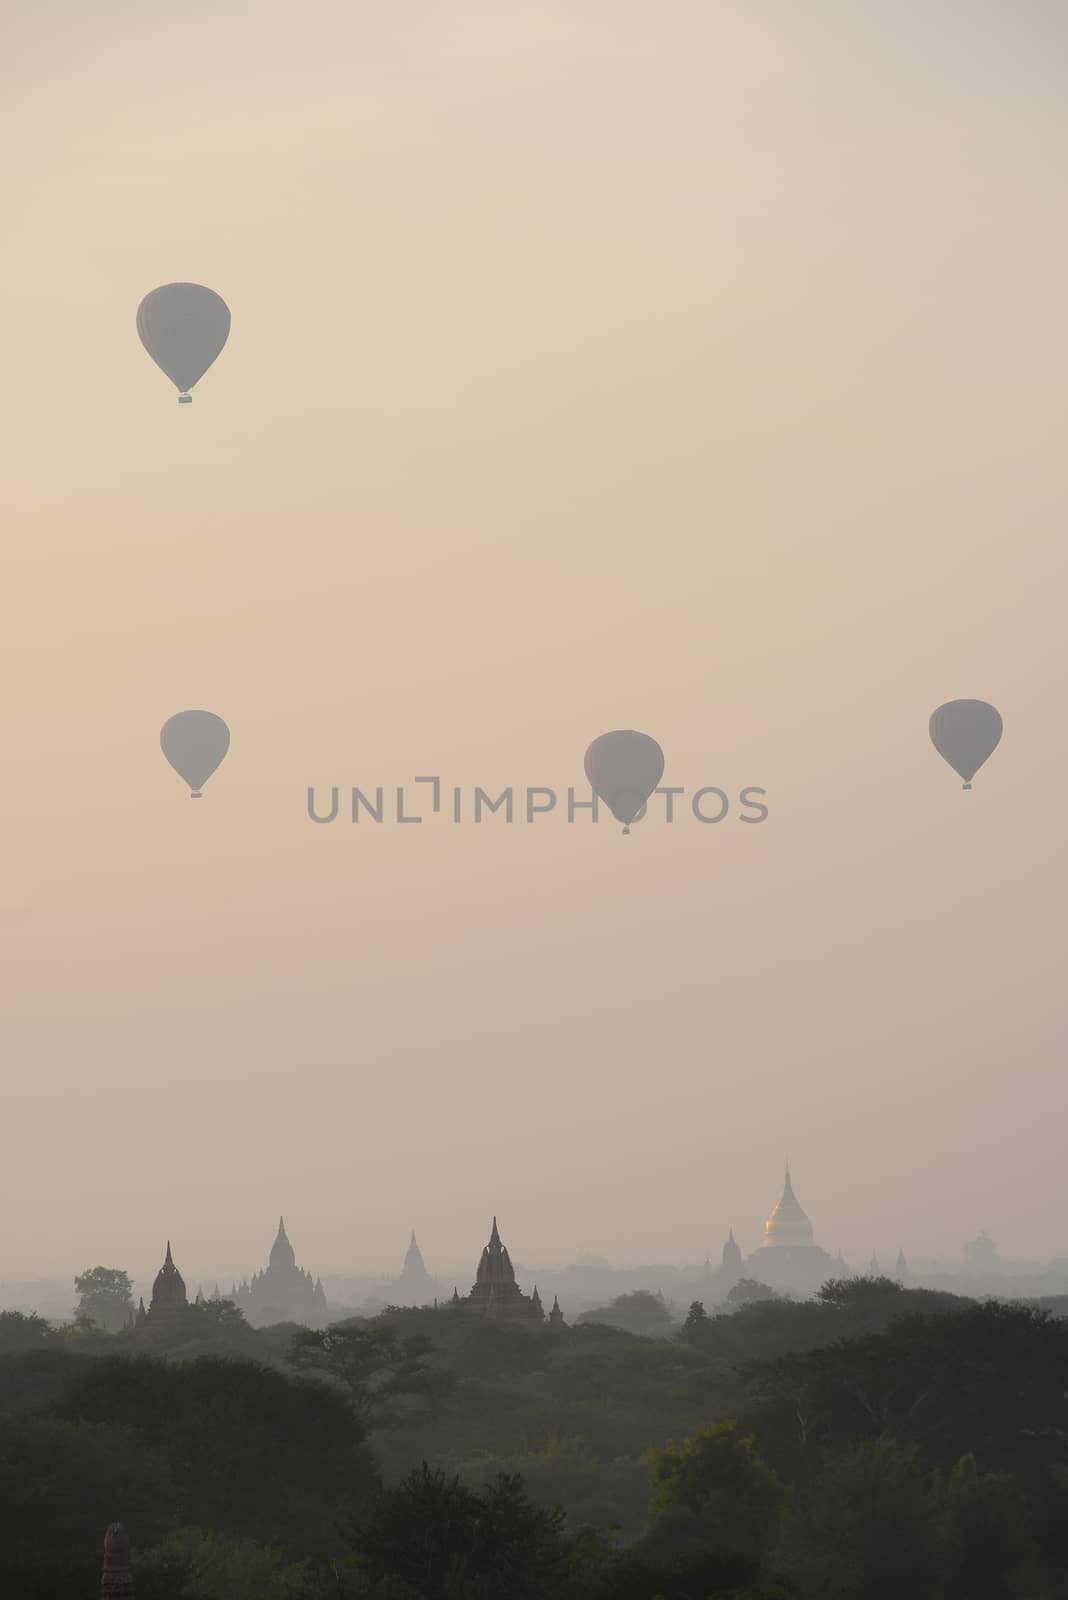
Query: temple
column 282, row 1292
column 788, row 1227
column 415, row 1286
column 169, row 1298
column 116, row 1578
column 495, row 1292
column 790, row 1258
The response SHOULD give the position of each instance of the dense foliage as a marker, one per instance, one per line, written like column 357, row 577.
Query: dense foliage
column 869, row 1443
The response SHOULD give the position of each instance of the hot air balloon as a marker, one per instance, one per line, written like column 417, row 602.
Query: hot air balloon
column 183, row 326
column 965, row 733
column 623, row 769
column 194, row 743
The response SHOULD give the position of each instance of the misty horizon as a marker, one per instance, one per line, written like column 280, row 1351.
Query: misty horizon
column 370, row 1266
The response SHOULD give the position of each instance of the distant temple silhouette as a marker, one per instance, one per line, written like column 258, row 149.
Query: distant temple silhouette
column 169, row 1298
column 789, row 1258
column 415, row 1286
column 282, row 1292
column 495, row 1292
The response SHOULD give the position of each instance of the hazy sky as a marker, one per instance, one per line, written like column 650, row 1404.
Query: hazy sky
column 695, row 366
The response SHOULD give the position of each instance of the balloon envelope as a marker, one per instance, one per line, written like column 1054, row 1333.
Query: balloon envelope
column 965, row 733
column 183, row 326
column 623, row 769
column 194, row 743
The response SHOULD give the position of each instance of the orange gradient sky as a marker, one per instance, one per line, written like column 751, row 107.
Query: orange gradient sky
column 691, row 367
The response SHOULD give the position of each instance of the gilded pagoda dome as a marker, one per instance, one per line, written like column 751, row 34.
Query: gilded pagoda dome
column 788, row 1225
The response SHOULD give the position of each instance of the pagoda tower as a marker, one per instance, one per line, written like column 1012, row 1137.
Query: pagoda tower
column 116, row 1578
column 495, row 1292
column 788, row 1226
column 415, row 1286
column 169, row 1298
column 282, row 1292
column 790, row 1258
column 556, row 1316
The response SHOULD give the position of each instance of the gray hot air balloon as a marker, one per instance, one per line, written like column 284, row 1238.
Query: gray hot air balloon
column 194, row 743
column 965, row 733
column 183, row 326
column 623, row 769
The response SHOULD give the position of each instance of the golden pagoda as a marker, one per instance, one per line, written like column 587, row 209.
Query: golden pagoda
column 788, row 1226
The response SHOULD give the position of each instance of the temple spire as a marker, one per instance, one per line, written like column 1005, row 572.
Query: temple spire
column 116, row 1579
column 414, row 1286
column 495, row 1237
column 282, row 1253
column 168, row 1290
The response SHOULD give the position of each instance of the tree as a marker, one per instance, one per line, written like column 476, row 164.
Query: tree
column 389, row 1376
column 639, row 1312
column 718, row 1477
column 221, row 1314
column 695, row 1329
column 30, row 1380
column 989, row 1378
column 991, row 1532
column 749, row 1290
column 853, row 1294
column 21, row 1332
column 206, row 1328
column 191, row 1564
column 872, row 1524
column 611, row 1496
column 62, row 1482
column 105, row 1297
column 637, row 1575
column 449, row 1542
column 254, row 1453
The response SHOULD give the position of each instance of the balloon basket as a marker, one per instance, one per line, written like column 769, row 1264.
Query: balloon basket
column 197, row 794
column 185, row 399
column 965, row 785
column 625, row 832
